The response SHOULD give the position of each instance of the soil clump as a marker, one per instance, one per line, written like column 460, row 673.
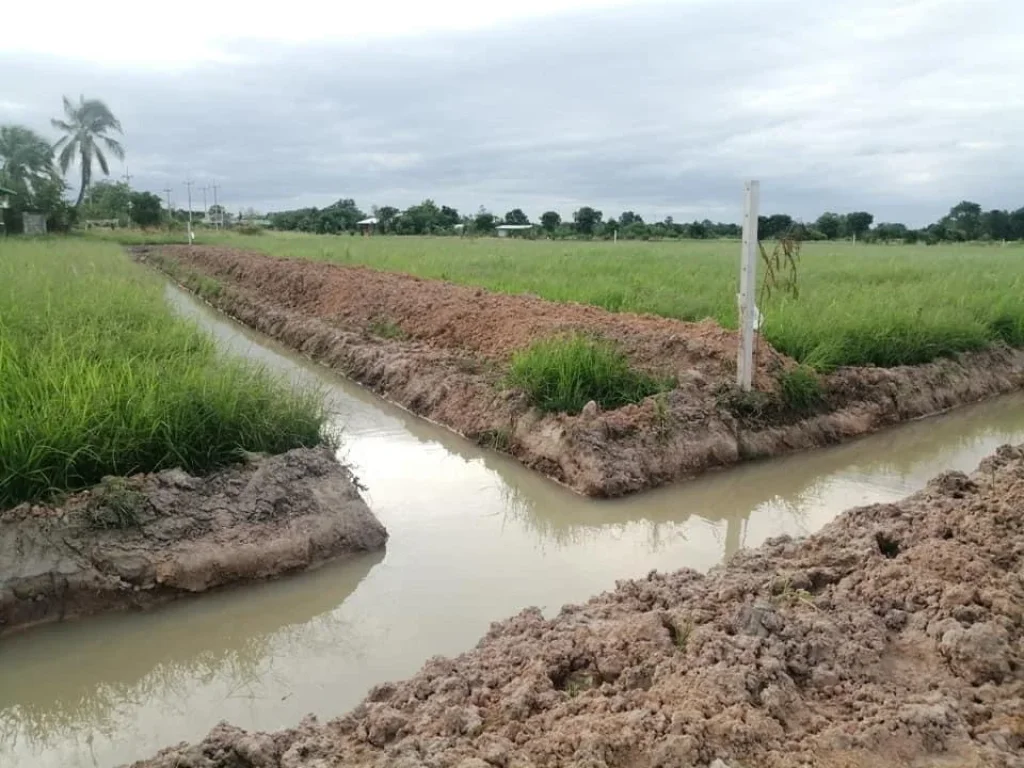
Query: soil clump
column 138, row 541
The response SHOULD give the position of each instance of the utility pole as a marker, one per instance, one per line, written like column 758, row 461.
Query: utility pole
column 206, row 208
column 188, row 186
column 748, row 285
column 219, row 221
column 128, row 183
column 170, row 211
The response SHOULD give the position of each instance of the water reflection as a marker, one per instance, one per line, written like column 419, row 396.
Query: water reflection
column 117, row 663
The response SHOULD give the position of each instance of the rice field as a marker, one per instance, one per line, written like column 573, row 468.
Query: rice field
column 858, row 304
column 99, row 377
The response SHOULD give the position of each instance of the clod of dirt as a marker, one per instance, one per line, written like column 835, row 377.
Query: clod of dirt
column 824, row 652
column 446, row 347
column 133, row 542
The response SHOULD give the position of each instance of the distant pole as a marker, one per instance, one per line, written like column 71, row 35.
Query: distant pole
column 170, row 211
column 128, row 183
column 748, row 282
column 206, row 208
column 219, row 218
column 188, row 186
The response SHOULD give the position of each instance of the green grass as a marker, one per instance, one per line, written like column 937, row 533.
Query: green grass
column 564, row 373
column 800, row 389
column 98, row 377
column 859, row 304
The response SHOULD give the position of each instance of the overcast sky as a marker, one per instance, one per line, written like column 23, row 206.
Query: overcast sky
column 899, row 107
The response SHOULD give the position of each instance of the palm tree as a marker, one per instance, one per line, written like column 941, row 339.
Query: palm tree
column 26, row 160
column 85, row 126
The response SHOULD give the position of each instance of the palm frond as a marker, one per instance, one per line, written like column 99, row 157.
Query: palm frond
column 101, row 158
column 115, row 147
column 67, row 155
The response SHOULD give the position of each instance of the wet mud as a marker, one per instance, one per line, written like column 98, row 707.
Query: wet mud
column 138, row 541
column 894, row 636
column 441, row 350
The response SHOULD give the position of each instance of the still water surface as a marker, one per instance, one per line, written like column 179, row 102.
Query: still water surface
column 474, row 538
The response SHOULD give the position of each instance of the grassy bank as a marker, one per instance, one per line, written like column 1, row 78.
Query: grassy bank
column 100, row 378
column 859, row 304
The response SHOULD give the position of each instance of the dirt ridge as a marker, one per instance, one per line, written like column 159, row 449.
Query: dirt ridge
column 894, row 636
column 269, row 516
column 456, row 339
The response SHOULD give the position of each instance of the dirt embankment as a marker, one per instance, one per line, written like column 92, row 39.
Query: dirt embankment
column 893, row 637
column 440, row 350
column 134, row 542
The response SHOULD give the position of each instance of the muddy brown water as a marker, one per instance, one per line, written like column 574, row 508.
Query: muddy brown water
column 475, row 537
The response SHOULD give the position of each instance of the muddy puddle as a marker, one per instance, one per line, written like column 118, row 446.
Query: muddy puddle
column 475, row 537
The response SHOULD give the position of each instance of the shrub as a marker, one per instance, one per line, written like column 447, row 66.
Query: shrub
column 800, row 389
column 564, row 373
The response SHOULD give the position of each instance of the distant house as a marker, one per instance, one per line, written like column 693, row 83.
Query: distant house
column 505, row 230
column 368, row 225
column 5, row 203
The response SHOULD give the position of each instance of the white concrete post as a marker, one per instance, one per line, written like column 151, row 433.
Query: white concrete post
column 748, row 283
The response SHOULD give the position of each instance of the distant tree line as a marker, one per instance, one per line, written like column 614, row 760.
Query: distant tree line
column 965, row 221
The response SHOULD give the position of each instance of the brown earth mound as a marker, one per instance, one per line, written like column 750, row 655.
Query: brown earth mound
column 441, row 350
column 134, row 542
column 894, row 637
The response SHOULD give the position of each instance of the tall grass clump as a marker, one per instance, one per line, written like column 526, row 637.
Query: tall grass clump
column 800, row 389
column 564, row 373
column 98, row 377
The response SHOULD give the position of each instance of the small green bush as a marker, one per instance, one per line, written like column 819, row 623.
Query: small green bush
column 564, row 373
column 386, row 329
column 800, row 389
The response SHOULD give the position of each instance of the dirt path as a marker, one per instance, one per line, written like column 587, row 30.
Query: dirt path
column 147, row 539
column 440, row 350
column 893, row 637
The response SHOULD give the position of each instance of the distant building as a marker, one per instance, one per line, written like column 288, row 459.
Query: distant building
column 368, row 225
column 5, row 203
column 33, row 223
column 504, row 230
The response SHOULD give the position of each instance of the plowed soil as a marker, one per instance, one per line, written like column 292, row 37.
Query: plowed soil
column 894, row 637
column 441, row 350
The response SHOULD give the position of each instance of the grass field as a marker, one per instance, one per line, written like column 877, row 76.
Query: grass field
column 98, row 377
column 859, row 304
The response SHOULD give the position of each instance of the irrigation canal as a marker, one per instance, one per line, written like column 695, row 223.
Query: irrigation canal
column 475, row 537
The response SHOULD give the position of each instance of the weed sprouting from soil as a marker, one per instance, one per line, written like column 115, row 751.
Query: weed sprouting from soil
column 386, row 329
column 99, row 377
column 755, row 406
column 800, row 389
column 564, row 373
column 662, row 416
column 497, row 439
column 114, row 505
